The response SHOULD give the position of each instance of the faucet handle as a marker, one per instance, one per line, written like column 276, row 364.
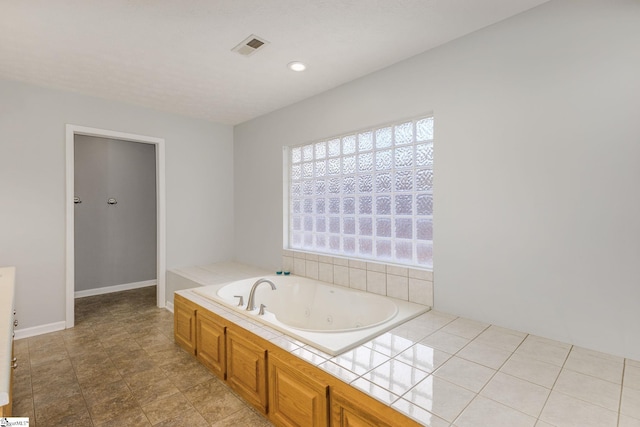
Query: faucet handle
column 241, row 301
column 261, row 312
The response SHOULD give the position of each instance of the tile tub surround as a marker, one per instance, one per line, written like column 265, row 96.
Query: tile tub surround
column 405, row 283
column 442, row 370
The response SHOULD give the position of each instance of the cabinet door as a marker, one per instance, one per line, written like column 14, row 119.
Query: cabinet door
column 211, row 343
column 247, row 368
column 184, row 323
column 295, row 399
column 346, row 412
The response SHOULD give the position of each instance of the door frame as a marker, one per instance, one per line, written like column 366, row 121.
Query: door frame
column 71, row 132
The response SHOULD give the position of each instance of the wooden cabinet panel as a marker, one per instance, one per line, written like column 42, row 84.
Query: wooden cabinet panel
column 210, row 343
column 184, row 323
column 351, row 408
column 295, row 399
column 247, row 369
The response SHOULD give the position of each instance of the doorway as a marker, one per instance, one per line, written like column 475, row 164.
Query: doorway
column 89, row 134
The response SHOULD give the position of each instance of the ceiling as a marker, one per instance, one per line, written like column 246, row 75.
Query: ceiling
column 176, row 56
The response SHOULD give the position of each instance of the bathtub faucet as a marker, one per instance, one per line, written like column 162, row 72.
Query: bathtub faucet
column 251, row 304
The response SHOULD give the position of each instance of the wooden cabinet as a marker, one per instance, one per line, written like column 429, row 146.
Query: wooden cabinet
column 184, row 323
column 351, row 408
column 247, row 368
column 349, row 413
column 290, row 391
column 295, row 399
column 210, row 340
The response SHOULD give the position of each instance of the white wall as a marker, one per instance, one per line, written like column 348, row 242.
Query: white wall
column 537, row 149
column 199, row 193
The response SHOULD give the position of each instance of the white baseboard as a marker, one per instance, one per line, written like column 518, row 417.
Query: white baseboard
column 115, row 288
column 169, row 306
column 39, row 330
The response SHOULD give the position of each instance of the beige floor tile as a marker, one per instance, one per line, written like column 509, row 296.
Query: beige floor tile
column 589, row 352
column 379, row 393
column 465, row 328
column 518, row 394
column 483, row 354
column 627, row 421
column 446, row 342
column 591, row 364
column 630, row 402
column 501, row 329
column 395, row 376
column 535, row 339
column 590, row 389
column 464, row 373
column 533, row 370
column 500, row 338
column 486, row 412
column 389, row 344
column 361, row 360
column 444, row 399
column 338, row 371
column 424, row 357
column 562, row 410
column 632, row 377
column 419, row 414
column 544, row 351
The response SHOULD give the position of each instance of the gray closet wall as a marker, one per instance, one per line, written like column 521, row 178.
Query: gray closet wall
column 114, row 244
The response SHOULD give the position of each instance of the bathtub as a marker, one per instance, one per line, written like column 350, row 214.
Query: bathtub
column 330, row 318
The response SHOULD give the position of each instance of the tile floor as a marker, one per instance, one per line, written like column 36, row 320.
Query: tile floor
column 120, row 367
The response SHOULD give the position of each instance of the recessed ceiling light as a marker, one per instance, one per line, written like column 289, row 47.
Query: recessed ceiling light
column 297, row 66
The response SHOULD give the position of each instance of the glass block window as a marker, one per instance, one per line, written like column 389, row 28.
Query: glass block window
column 365, row 195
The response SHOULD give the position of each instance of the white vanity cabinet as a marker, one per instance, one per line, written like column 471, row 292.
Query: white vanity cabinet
column 7, row 323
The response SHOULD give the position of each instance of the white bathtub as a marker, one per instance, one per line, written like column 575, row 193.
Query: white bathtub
column 330, row 318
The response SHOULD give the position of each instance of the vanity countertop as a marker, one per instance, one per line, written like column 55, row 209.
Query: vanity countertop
column 7, row 290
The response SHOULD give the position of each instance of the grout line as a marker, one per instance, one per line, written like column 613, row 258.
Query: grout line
column 624, row 367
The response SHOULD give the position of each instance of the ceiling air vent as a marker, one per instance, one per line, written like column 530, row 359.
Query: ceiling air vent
column 250, row 45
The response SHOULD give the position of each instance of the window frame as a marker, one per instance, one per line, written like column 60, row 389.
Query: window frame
column 391, row 145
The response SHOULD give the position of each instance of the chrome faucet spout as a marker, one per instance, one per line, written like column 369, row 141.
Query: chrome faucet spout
column 251, row 304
